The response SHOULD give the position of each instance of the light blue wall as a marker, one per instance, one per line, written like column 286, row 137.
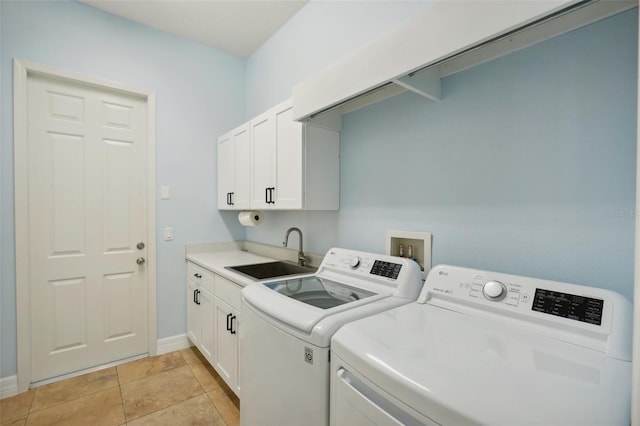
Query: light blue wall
column 526, row 166
column 319, row 34
column 200, row 94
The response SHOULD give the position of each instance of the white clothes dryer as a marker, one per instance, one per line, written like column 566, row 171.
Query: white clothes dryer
column 287, row 327
column 481, row 347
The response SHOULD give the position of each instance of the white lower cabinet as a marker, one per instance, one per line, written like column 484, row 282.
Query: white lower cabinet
column 207, row 339
column 200, row 309
column 213, row 320
column 194, row 320
column 226, row 359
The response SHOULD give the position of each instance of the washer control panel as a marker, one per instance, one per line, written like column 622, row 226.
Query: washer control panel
column 404, row 275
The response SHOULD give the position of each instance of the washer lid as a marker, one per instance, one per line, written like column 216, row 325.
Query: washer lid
column 303, row 302
column 319, row 292
column 456, row 368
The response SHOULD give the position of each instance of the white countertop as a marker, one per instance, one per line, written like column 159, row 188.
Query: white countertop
column 217, row 260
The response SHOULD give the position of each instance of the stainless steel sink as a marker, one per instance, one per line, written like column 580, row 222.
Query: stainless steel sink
column 263, row 271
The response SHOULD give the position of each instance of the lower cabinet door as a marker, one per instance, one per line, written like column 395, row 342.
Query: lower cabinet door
column 208, row 329
column 226, row 337
column 194, row 322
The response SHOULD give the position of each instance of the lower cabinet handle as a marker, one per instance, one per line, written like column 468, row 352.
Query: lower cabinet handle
column 194, row 296
column 231, row 328
column 197, row 297
column 228, row 322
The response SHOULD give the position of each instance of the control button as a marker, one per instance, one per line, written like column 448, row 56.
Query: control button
column 494, row 291
column 354, row 262
column 513, row 297
column 475, row 290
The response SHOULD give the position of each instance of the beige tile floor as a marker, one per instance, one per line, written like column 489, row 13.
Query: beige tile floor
column 178, row 388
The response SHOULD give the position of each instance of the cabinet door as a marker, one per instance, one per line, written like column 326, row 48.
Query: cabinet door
column 263, row 144
column 226, row 359
column 226, row 171
column 193, row 313
column 241, row 197
column 289, row 154
column 207, row 324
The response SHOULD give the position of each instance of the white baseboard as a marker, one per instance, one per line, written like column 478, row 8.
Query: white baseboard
column 173, row 343
column 8, row 386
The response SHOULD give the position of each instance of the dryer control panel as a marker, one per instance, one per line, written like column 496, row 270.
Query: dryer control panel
column 589, row 316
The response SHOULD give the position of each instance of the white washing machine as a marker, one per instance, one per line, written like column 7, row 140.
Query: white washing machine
column 287, row 327
column 487, row 348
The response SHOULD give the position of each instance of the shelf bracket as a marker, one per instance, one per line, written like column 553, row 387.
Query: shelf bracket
column 425, row 83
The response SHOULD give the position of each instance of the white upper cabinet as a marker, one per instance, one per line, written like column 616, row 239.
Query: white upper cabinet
column 293, row 166
column 234, row 169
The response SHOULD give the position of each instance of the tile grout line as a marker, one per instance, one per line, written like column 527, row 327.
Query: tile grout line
column 124, row 413
column 186, row 364
column 194, row 361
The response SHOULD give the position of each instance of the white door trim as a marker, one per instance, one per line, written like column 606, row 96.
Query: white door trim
column 21, row 70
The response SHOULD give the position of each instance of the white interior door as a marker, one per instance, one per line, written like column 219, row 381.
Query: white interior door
column 87, row 213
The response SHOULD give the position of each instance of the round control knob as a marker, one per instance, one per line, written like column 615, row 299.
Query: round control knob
column 354, row 262
column 494, row 290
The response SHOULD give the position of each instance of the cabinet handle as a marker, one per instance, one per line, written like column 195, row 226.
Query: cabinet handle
column 197, row 297
column 197, row 275
column 194, row 296
column 231, row 325
column 268, row 195
column 228, row 322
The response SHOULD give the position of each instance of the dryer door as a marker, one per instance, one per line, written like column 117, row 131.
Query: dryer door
column 357, row 403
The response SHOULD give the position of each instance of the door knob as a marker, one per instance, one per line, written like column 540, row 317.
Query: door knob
column 140, row 260
column 140, row 245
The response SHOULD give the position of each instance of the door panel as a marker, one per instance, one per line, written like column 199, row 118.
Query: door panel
column 226, row 172
column 68, row 314
column 87, row 198
column 118, row 302
column 263, row 141
column 242, row 161
column 226, row 343
column 288, row 161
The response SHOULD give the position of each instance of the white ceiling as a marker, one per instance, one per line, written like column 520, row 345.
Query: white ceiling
column 235, row 26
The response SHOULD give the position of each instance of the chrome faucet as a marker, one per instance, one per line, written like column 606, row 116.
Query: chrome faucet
column 301, row 257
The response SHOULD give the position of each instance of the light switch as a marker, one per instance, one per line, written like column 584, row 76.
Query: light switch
column 168, row 234
column 164, row 192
